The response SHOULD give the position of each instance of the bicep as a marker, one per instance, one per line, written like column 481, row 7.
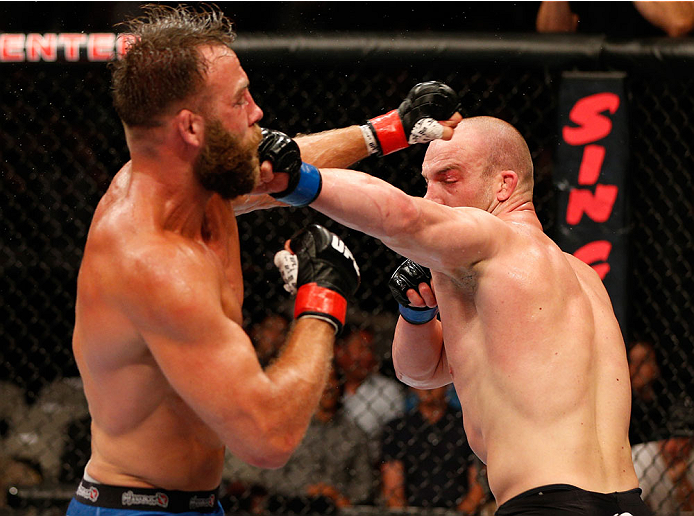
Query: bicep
column 434, row 235
column 447, row 239
column 208, row 366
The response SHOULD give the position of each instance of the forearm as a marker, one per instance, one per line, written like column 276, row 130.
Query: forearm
column 684, row 492
column 336, row 148
column 302, row 367
column 414, row 121
column 475, row 495
column 369, row 205
column 674, row 18
column 393, row 484
column 429, row 112
column 319, row 268
column 297, row 379
column 419, row 357
column 248, row 203
column 339, row 148
column 555, row 16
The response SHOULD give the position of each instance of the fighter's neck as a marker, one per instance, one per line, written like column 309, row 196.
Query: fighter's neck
column 171, row 193
column 521, row 211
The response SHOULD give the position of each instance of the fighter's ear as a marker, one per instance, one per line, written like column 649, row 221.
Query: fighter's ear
column 191, row 127
column 506, row 185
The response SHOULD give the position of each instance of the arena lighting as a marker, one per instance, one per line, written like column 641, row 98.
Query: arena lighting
column 64, row 47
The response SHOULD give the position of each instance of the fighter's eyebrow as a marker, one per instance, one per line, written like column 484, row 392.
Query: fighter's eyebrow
column 242, row 88
column 446, row 167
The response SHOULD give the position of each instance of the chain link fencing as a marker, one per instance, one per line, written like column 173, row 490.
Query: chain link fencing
column 61, row 143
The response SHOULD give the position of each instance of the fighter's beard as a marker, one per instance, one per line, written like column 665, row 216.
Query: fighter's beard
column 225, row 164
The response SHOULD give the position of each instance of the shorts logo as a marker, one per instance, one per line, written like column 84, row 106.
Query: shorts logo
column 91, row 494
column 155, row 500
column 200, row 503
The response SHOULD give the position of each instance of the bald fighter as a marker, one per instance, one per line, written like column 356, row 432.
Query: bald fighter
column 169, row 373
column 526, row 333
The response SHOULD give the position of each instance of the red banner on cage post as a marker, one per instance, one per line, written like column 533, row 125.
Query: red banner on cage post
column 590, row 174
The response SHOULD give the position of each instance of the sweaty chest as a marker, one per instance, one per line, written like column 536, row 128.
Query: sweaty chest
column 220, row 235
column 457, row 294
column 230, row 282
column 232, row 299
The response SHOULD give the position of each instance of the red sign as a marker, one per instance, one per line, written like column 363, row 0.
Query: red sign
column 64, row 47
column 590, row 174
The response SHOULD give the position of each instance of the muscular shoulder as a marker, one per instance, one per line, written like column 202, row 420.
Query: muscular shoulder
column 593, row 288
column 458, row 239
column 527, row 265
column 167, row 267
column 510, row 241
column 587, row 276
column 138, row 269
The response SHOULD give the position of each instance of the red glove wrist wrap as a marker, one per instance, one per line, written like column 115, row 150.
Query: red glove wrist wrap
column 390, row 132
column 312, row 299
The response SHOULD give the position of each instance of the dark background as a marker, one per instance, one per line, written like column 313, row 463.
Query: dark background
column 61, row 143
column 303, row 18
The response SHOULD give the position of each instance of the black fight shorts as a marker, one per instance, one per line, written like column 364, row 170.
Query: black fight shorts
column 562, row 499
column 103, row 500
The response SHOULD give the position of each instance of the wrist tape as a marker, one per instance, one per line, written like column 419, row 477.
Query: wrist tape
column 385, row 134
column 418, row 315
column 307, row 189
column 321, row 303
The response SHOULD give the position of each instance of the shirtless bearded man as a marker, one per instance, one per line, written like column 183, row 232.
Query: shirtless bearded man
column 170, row 375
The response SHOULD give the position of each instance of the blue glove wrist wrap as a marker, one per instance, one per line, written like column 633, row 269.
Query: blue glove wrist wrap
column 418, row 316
column 308, row 189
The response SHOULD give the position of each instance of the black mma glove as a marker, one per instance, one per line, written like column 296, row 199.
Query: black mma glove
column 304, row 180
column 415, row 121
column 410, row 275
column 322, row 272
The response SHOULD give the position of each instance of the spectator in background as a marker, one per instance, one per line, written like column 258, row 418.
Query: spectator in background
column 666, row 474
column 268, row 337
column 41, row 435
column 647, row 410
column 621, row 19
column 677, row 454
column 427, row 461
column 36, row 436
column 370, row 399
column 14, row 469
column 661, row 436
column 13, row 408
column 19, row 472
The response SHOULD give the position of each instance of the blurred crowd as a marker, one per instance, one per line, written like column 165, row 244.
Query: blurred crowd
column 372, row 440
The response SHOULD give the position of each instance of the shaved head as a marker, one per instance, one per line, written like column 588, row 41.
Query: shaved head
column 485, row 164
column 505, row 147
